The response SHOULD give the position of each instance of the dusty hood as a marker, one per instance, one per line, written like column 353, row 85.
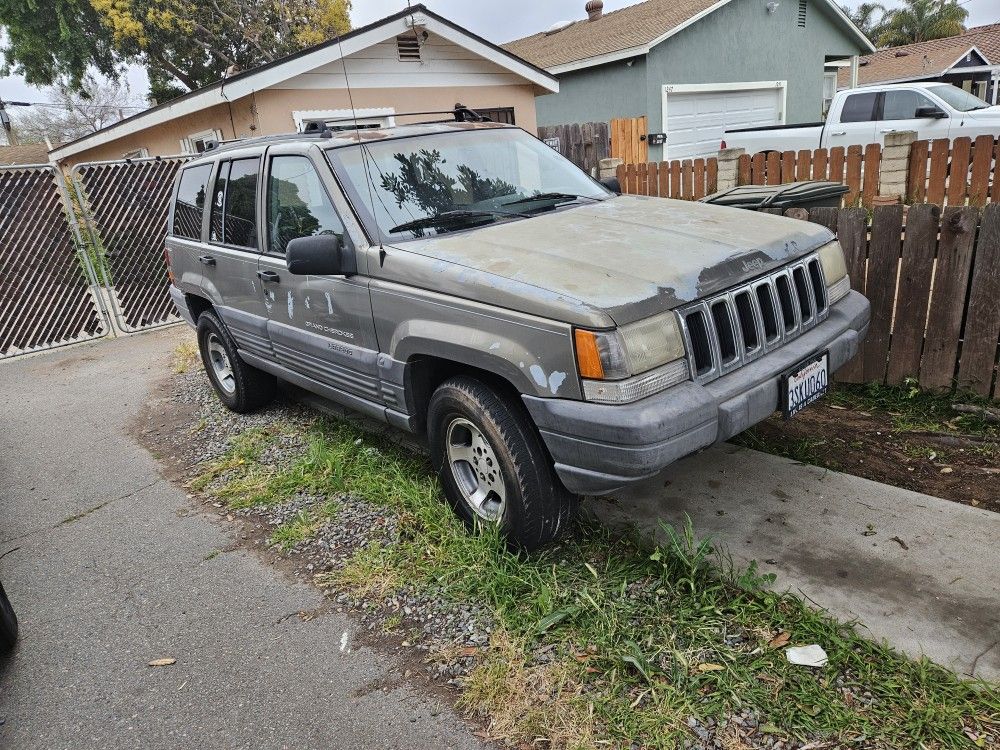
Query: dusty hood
column 628, row 258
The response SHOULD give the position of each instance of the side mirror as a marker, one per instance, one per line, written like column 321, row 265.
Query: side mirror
column 931, row 112
column 322, row 255
column 612, row 184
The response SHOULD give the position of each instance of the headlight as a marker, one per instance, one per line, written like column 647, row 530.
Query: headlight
column 633, row 361
column 831, row 258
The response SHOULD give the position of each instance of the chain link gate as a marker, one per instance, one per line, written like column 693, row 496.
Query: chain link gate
column 48, row 291
column 125, row 204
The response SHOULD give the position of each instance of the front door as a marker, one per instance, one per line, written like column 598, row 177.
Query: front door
column 856, row 126
column 320, row 326
column 899, row 112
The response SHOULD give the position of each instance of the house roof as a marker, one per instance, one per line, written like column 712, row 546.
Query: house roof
column 29, row 153
column 626, row 32
column 255, row 79
column 928, row 59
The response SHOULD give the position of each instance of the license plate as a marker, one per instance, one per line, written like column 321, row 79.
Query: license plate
column 805, row 383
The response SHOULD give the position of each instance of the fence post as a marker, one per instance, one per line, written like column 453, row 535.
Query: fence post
column 893, row 172
column 729, row 161
column 608, row 167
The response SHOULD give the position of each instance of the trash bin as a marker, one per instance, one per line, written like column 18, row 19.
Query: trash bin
column 806, row 194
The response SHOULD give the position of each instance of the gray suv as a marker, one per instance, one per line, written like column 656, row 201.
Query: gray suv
column 463, row 281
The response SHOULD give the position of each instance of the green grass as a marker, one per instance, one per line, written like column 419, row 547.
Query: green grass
column 304, row 525
column 643, row 636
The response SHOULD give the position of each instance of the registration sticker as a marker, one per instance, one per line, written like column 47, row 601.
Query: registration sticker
column 805, row 383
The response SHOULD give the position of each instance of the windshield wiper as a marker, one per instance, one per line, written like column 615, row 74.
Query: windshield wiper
column 552, row 198
column 457, row 216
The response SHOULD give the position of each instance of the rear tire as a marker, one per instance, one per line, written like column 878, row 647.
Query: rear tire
column 493, row 466
column 240, row 387
column 8, row 623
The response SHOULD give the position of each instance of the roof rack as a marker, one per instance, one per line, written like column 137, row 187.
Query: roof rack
column 460, row 113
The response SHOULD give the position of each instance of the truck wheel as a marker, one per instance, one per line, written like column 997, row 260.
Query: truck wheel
column 492, row 464
column 8, row 623
column 241, row 388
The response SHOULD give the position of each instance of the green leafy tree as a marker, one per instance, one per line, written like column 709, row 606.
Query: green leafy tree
column 869, row 18
column 922, row 20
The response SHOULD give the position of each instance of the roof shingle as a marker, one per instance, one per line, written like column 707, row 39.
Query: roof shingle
column 29, row 153
column 632, row 26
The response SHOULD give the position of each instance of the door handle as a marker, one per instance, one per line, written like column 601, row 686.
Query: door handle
column 889, row 130
column 206, row 260
column 268, row 276
column 840, row 132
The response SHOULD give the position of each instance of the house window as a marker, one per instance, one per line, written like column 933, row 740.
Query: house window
column 197, row 142
column 345, row 118
column 499, row 114
column 829, row 90
column 802, row 14
column 408, row 48
column 139, row 153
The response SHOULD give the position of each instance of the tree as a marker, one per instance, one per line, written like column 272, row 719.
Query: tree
column 921, row 20
column 183, row 44
column 70, row 115
column 869, row 18
column 52, row 41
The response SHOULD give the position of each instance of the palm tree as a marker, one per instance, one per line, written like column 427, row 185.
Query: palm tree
column 869, row 18
column 921, row 20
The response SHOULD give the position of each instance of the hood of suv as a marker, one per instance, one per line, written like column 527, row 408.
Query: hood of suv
column 990, row 114
column 628, row 257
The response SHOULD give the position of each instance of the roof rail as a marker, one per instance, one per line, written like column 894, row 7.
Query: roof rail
column 460, row 113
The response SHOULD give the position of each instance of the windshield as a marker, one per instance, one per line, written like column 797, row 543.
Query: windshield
column 961, row 100
column 446, row 182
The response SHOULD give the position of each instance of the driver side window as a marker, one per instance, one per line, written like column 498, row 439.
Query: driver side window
column 297, row 203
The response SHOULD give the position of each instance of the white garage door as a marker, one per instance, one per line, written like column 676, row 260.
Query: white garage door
column 696, row 119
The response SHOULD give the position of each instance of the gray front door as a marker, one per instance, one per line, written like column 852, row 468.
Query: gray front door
column 320, row 326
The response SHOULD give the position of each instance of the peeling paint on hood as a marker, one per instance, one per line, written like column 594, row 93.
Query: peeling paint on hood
column 630, row 256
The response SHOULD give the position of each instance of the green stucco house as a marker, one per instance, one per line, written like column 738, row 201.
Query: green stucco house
column 695, row 67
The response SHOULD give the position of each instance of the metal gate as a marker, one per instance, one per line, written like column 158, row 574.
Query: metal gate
column 125, row 204
column 48, row 292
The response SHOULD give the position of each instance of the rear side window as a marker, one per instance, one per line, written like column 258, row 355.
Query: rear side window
column 859, row 108
column 297, row 203
column 234, row 204
column 190, row 206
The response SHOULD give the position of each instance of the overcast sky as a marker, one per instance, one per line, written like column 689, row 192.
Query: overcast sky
column 496, row 20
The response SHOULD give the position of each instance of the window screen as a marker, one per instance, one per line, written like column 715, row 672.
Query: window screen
column 297, row 203
column 190, row 205
column 902, row 105
column 234, row 204
column 859, row 108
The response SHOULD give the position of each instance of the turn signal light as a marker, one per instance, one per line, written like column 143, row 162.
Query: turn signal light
column 588, row 356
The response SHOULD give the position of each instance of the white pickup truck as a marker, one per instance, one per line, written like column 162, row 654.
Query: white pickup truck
column 861, row 116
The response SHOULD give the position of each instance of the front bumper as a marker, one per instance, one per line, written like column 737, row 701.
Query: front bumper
column 599, row 448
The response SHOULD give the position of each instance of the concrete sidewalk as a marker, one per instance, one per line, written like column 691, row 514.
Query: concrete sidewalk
column 833, row 538
column 116, row 568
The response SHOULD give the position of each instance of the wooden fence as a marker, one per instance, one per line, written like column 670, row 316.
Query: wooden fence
column 628, row 139
column 934, row 286
column 584, row 144
column 689, row 179
column 855, row 167
column 940, row 172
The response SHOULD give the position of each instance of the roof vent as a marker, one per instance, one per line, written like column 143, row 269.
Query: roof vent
column 408, row 48
column 557, row 27
column 901, row 53
column 801, row 20
column 595, row 9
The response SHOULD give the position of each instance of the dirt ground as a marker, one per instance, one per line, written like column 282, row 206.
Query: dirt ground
column 952, row 465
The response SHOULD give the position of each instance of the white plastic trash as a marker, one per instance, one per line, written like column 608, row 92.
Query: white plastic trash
column 807, row 656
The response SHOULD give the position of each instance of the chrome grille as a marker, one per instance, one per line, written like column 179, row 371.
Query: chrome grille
column 744, row 323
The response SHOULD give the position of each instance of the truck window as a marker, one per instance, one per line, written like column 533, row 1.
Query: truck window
column 190, row 206
column 859, row 107
column 297, row 203
column 902, row 105
column 234, row 204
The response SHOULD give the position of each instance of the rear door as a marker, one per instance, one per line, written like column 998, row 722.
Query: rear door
column 856, row 121
column 319, row 326
column 899, row 112
column 229, row 259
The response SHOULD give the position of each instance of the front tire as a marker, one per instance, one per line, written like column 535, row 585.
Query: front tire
column 240, row 387
column 8, row 623
column 493, row 466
